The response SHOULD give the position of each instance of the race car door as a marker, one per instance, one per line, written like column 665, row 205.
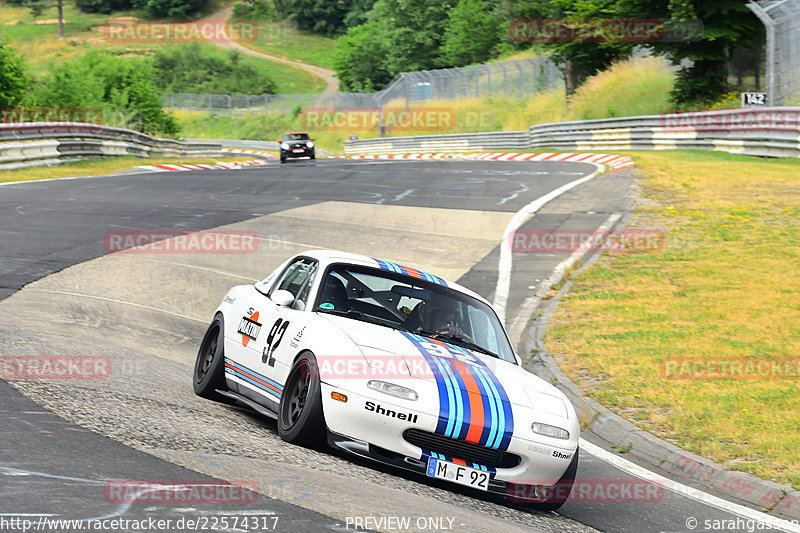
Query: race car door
column 282, row 317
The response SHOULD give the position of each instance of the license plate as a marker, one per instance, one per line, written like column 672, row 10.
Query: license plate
column 463, row 475
column 298, row 150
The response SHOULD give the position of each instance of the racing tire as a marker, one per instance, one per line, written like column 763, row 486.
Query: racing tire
column 313, row 156
column 561, row 490
column 301, row 420
column 283, row 160
column 209, row 367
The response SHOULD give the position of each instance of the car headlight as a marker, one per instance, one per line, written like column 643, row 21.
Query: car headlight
column 285, row 146
column 310, row 144
column 392, row 390
column 550, row 431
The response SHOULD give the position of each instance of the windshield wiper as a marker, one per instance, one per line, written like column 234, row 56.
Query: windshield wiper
column 459, row 340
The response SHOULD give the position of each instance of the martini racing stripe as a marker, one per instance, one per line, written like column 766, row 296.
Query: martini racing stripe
column 473, row 405
column 253, row 377
column 400, row 269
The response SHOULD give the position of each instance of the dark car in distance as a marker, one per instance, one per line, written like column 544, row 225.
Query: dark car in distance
column 296, row 144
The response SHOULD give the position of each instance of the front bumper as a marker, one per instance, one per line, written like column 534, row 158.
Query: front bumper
column 297, row 152
column 389, row 458
column 361, row 431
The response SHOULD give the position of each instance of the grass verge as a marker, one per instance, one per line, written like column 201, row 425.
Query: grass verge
column 282, row 40
column 724, row 289
column 99, row 167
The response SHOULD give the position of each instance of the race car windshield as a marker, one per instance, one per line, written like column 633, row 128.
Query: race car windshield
column 413, row 305
column 295, row 137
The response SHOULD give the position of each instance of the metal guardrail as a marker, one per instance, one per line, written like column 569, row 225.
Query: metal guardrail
column 771, row 132
column 271, row 146
column 457, row 142
column 43, row 143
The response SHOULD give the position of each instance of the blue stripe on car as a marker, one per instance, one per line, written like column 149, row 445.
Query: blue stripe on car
column 454, row 402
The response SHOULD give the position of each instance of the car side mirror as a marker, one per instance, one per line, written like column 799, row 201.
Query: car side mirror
column 313, row 138
column 282, row 298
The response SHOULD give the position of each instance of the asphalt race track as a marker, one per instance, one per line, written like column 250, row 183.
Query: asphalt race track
column 62, row 293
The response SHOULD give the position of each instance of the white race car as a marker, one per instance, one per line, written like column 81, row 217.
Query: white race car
column 395, row 365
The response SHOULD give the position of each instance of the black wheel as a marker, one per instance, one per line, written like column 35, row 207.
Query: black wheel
column 283, row 160
column 300, row 417
column 209, row 368
column 541, row 498
column 313, row 156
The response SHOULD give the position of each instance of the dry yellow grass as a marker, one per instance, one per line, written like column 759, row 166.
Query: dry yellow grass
column 638, row 86
column 725, row 288
column 13, row 14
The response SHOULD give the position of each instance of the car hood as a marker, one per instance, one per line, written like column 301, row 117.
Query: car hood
column 449, row 365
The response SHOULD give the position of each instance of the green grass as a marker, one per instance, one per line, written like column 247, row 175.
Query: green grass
column 292, row 80
column 281, row 40
column 41, row 48
column 724, row 288
column 288, row 79
column 257, row 127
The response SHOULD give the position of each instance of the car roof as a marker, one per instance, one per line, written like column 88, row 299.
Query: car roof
column 338, row 256
column 296, row 133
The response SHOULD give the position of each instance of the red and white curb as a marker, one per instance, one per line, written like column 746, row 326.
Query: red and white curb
column 261, row 153
column 220, row 164
column 615, row 162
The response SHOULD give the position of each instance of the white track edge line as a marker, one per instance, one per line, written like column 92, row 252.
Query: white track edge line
column 113, row 300
column 520, row 217
column 685, row 490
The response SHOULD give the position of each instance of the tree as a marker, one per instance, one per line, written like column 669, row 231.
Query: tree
column 192, row 69
column 99, row 80
column 326, row 17
column 260, row 10
column 38, row 6
column 13, row 78
column 173, row 9
column 357, row 14
column 360, row 57
column 414, row 32
column 400, row 36
column 726, row 24
column 472, row 34
column 577, row 58
column 103, row 6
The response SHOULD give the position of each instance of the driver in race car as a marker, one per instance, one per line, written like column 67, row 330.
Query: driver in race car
column 443, row 321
